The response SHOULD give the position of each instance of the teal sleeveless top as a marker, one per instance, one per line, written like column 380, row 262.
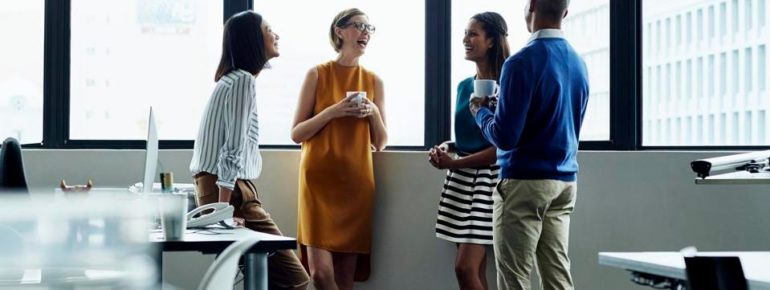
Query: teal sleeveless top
column 468, row 136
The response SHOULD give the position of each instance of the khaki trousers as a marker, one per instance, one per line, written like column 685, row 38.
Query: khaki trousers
column 284, row 271
column 531, row 223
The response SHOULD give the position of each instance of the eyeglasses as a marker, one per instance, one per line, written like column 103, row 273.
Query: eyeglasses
column 362, row 26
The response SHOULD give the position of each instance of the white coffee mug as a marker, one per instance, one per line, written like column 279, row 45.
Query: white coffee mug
column 173, row 217
column 484, row 88
column 359, row 98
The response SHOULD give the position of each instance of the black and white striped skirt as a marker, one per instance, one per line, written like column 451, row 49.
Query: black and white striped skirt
column 465, row 208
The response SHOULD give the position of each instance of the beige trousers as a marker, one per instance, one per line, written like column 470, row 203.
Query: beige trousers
column 531, row 223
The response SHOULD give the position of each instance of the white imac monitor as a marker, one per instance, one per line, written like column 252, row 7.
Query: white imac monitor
column 151, row 157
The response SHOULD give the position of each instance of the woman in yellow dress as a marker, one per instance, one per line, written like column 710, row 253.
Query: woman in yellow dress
column 339, row 120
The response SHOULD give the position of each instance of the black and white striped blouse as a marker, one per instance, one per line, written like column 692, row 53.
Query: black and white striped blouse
column 228, row 136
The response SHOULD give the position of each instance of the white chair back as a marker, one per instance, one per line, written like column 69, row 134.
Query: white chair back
column 221, row 273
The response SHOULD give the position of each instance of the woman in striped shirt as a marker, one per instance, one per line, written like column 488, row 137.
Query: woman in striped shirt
column 226, row 154
column 465, row 209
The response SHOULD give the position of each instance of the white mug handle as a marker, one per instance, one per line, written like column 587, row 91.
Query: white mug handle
column 497, row 89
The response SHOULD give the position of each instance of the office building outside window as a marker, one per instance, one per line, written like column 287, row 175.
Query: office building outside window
column 21, row 77
column 749, row 15
column 711, row 23
column 761, row 67
column 129, row 55
column 732, row 64
column 762, row 130
column 735, row 18
column 722, row 19
column 699, row 25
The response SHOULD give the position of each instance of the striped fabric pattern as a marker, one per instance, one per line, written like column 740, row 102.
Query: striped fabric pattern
column 228, row 137
column 465, row 208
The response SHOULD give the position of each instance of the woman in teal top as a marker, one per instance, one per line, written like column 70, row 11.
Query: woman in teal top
column 465, row 207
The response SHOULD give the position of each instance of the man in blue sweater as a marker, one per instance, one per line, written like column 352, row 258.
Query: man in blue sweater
column 536, row 126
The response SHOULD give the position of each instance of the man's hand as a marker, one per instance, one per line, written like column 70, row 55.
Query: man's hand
column 477, row 103
column 493, row 103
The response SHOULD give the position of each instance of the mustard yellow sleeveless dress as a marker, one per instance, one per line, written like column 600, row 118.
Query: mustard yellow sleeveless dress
column 336, row 178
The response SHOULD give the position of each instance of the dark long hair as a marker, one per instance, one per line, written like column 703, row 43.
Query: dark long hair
column 243, row 45
column 495, row 27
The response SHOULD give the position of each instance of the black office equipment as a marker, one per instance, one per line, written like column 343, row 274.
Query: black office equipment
column 715, row 273
column 12, row 177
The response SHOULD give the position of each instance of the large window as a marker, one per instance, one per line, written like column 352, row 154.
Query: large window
column 129, row 55
column 587, row 29
column 731, row 64
column 689, row 73
column 396, row 54
column 21, row 77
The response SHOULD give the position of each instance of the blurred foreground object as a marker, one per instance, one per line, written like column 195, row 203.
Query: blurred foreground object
column 54, row 242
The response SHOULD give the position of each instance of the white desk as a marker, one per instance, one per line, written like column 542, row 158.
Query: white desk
column 670, row 265
column 738, row 177
column 214, row 241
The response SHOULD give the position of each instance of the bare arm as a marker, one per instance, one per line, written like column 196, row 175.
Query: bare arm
column 482, row 158
column 306, row 125
column 377, row 128
column 440, row 159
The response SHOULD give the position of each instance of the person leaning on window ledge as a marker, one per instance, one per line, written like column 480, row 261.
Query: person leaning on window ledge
column 336, row 178
column 226, row 154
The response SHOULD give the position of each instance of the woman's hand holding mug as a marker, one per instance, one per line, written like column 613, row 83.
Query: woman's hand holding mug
column 344, row 108
column 368, row 109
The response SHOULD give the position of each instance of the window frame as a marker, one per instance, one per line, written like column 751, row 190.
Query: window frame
column 625, row 82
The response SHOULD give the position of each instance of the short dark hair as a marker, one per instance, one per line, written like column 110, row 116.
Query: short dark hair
column 243, row 45
column 342, row 19
column 495, row 28
column 551, row 9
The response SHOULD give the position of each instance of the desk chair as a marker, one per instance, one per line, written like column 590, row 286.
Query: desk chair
column 12, row 176
column 715, row 273
column 221, row 274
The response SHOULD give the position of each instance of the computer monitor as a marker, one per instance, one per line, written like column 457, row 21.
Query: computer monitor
column 151, row 157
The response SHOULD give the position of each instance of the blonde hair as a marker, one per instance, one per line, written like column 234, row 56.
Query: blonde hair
column 341, row 20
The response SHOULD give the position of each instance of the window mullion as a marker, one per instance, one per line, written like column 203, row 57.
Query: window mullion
column 56, row 73
column 625, row 77
column 437, row 71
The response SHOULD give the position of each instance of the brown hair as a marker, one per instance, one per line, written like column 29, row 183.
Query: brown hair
column 341, row 20
column 495, row 27
column 243, row 45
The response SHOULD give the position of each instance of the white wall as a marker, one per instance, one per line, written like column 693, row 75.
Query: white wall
column 627, row 201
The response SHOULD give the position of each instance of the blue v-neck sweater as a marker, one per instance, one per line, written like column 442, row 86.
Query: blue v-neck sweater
column 542, row 101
